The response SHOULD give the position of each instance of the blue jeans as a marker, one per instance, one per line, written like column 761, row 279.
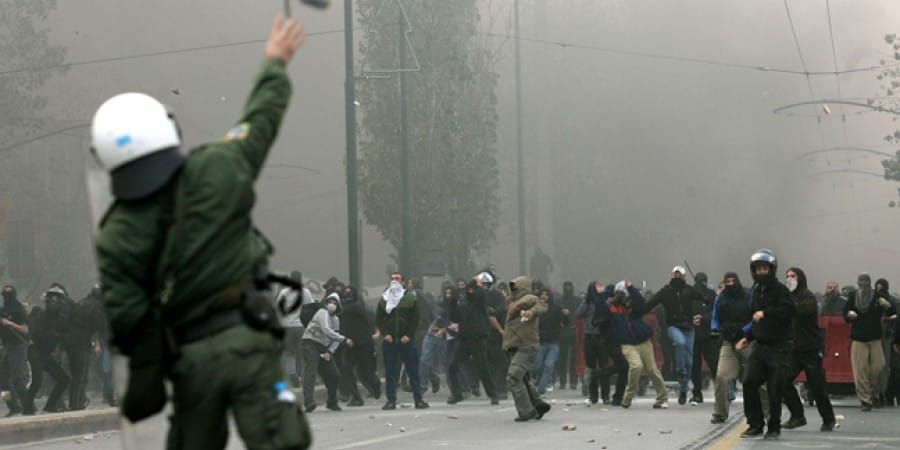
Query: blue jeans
column 432, row 347
column 683, row 340
column 545, row 364
column 394, row 354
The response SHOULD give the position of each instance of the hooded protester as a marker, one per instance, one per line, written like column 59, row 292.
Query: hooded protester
column 434, row 344
column 771, row 328
column 551, row 324
column 565, row 366
column 731, row 311
column 356, row 324
column 44, row 325
column 320, row 342
column 705, row 349
column 891, row 379
column 397, row 318
column 14, row 335
column 624, row 312
column 600, row 346
column 521, row 342
column 809, row 343
column 678, row 300
column 471, row 314
column 864, row 311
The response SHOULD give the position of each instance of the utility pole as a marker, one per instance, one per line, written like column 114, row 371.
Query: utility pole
column 405, row 225
column 353, row 241
column 520, row 173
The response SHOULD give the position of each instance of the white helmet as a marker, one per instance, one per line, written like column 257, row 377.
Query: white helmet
column 486, row 278
column 126, row 131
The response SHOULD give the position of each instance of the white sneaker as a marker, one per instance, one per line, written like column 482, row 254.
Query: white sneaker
column 663, row 405
column 549, row 388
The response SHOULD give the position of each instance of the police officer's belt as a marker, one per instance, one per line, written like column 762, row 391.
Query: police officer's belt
column 209, row 326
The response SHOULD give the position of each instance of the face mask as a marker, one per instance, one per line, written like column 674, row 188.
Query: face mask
column 791, row 284
column 678, row 283
column 9, row 296
column 331, row 307
column 730, row 290
column 620, row 297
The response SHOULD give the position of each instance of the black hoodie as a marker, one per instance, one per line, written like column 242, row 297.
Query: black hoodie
column 570, row 301
column 807, row 334
column 356, row 321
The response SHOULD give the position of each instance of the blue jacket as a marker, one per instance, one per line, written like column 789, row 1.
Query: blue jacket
column 625, row 320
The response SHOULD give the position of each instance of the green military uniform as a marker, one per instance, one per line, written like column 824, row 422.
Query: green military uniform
column 209, row 255
column 521, row 341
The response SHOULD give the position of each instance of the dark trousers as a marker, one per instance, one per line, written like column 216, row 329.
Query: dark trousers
column 462, row 376
column 476, row 348
column 598, row 352
column 811, row 363
column 14, row 374
column 43, row 362
column 708, row 350
column 359, row 360
column 499, row 362
column 78, row 366
column 767, row 365
column 314, row 363
column 394, row 354
column 565, row 365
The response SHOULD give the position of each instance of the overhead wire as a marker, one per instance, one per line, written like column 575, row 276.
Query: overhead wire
column 837, row 77
column 690, row 60
column 812, row 95
column 149, row 54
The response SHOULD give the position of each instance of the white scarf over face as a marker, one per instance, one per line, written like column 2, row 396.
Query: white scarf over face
column 393, row 295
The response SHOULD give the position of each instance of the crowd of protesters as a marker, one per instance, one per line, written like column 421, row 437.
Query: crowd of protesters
column 53, row 336
column 483, row 337
column 605, row 340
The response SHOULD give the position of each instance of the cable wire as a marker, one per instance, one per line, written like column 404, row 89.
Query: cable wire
column 149, row 55
column 837, row 78
column 812, row 95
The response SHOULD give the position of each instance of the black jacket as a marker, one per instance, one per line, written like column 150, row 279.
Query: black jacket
column 807, row 334
column 704, row 309
column 867, row 326
column 356, row 322
column 730, row 314
column 471, row 313
column 678, row 303
column 778, row 307
column 552, row 322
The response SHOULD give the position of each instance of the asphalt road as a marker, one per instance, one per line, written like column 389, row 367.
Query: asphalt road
column 476, row 424
column 471, row 424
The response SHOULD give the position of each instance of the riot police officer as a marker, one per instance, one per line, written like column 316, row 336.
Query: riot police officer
column 178, row 258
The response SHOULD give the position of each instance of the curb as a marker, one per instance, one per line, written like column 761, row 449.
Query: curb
column 21, row 430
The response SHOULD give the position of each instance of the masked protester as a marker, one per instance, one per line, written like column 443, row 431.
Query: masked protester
column 471, row 314
column 705, row 349
column 397, row 317
column 521, row 342
column 45, row 326
column 359, row 360
column 731, row 312
column 565, row 366
column 771, row 328
column 14, row 335
column 624, row 312
column 806, row 355
column 864, row 311
column 677, row 298
column 320, row 342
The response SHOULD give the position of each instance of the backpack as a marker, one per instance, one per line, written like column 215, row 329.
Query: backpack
column 307, row 312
